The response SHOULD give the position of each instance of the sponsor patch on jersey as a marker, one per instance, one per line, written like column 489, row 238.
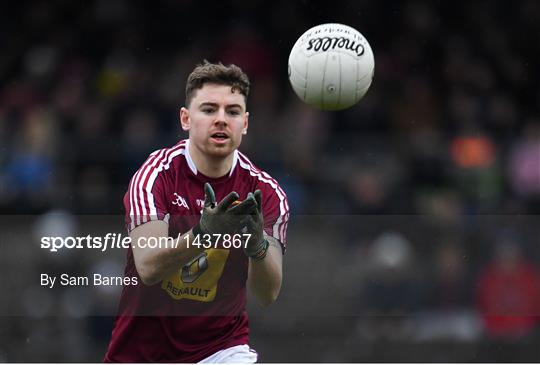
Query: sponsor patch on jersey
column 198, row 279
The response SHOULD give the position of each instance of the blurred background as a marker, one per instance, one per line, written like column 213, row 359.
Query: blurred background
column 414, row 233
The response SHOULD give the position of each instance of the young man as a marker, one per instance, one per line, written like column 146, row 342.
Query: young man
column 189, row 303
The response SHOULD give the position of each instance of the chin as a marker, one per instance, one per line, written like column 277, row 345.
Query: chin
column 221, row 151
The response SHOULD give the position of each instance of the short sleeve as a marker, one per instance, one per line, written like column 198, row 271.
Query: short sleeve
column 144, row 200
column 275, row 211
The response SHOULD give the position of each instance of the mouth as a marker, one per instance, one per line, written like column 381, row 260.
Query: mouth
column 219, row 137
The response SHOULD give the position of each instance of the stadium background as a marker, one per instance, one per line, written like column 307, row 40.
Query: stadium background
column 415, row 213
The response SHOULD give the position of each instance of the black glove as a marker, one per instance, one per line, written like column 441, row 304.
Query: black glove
column 257, row 245
column 218, row 218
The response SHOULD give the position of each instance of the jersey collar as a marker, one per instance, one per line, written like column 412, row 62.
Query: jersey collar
column 192, row 166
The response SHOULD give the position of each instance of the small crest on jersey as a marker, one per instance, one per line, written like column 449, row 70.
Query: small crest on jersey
column 180, row 201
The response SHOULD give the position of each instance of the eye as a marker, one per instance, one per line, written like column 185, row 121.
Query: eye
column 234, row 112
column 207, row 110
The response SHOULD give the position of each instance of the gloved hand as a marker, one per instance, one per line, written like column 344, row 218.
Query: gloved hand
column 257, row 245
column 219, row 218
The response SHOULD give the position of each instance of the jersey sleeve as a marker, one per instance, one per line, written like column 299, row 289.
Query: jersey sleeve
column 145, row 200
column 275, row 211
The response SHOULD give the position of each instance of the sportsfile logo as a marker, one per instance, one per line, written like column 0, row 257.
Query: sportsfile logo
column 180, row 201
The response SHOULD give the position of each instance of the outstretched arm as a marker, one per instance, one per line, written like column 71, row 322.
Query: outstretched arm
column 265, row 257
column 265, row 276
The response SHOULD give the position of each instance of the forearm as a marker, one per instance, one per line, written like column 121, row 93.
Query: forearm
column 155, row 264
column 265, row 276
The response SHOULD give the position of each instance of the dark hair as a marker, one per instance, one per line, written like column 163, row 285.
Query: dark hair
column 216, row 73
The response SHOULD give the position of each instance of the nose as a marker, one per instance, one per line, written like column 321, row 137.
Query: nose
column 221, row 118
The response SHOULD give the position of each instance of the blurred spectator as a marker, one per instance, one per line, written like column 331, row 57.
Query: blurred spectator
column 508, row 292
column 524, row 162
column 139, row 139
column 29, row 170
column 450, row 278
column 394, row 285
column 246, row 47
column 476, row 170
column 443, row 206
column 302, row 154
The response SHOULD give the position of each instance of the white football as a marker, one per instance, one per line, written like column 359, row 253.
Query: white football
column 331, row 66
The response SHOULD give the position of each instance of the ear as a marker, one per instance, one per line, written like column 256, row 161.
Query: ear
column 184, row 119
column 246, row 123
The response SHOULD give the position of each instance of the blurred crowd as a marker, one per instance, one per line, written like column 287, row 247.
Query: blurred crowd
column 442, row 155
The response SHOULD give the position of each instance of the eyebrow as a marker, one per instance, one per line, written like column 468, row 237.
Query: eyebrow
column 217, row 105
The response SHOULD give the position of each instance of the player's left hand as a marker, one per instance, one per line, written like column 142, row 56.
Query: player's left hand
column 257, row 245
column 220, row 218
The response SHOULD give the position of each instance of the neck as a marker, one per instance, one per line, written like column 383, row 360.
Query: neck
column 211, row 166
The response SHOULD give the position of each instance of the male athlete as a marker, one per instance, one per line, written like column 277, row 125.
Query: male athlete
column 189, row 304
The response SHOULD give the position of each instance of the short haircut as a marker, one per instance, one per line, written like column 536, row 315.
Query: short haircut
column 219, row 74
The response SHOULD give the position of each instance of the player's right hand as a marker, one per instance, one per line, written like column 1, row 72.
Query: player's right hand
column 218, row 218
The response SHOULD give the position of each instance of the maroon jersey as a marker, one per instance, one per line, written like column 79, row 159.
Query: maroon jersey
column 200, row 309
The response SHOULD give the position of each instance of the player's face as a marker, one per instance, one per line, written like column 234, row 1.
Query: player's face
column 216, row 119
